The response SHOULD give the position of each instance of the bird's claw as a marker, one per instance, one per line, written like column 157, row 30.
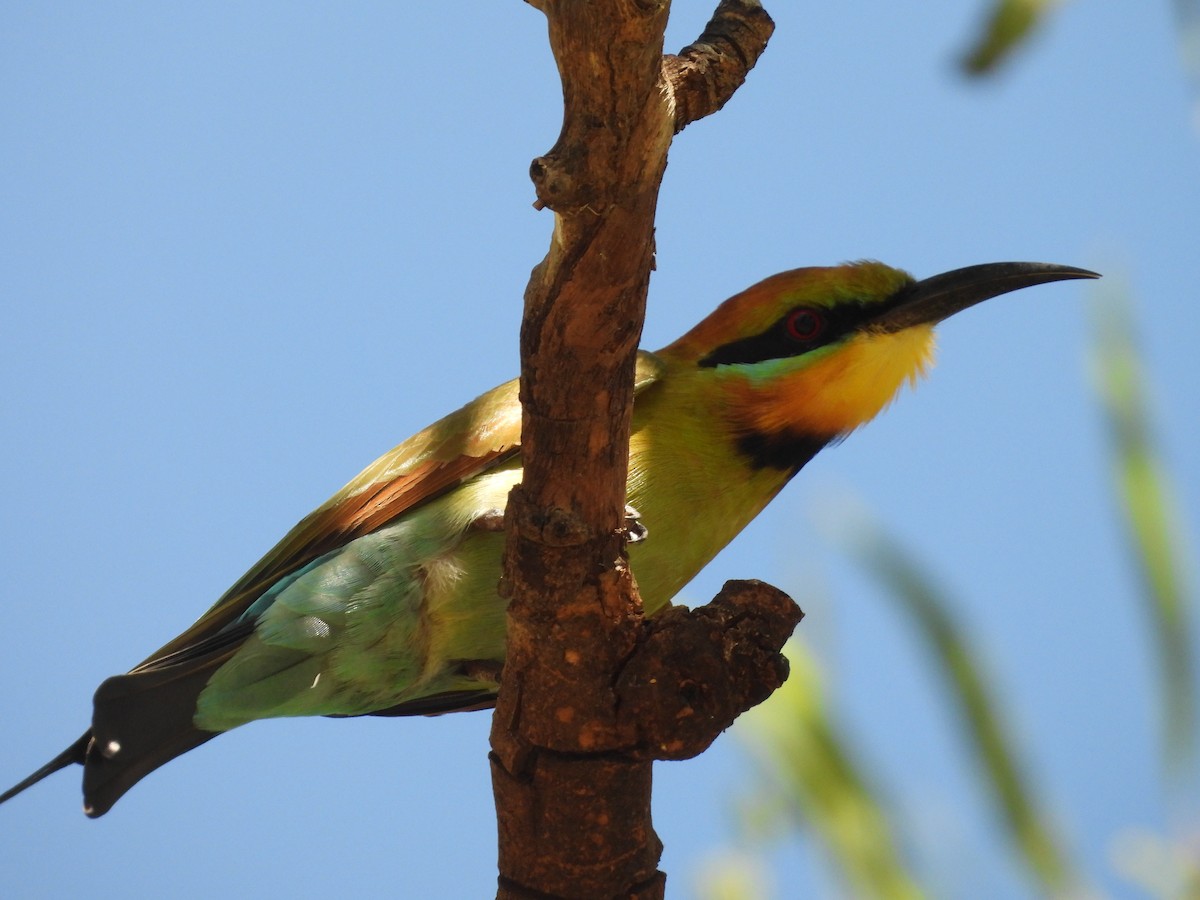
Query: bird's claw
column 635, row 530
column 489, row 520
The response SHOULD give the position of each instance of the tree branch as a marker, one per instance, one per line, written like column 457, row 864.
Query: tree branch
column 706, row 73
column 590, row 695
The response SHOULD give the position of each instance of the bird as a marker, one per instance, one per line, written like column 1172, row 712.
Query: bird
column 384, row 600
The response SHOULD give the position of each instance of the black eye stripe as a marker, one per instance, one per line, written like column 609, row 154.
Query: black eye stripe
column 799, row 331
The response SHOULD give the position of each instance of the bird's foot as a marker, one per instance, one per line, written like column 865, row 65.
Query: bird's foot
column 492, row 520
column 489, row 520
column 484, row 670
column 635, row 531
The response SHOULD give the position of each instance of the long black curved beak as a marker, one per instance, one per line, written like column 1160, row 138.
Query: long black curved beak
column 937, row 298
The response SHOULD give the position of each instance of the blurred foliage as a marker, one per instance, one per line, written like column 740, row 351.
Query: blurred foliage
column 1163, row 869
column 1187, row 17
column 1151, row 521
column 812, row 778
column 807, row 769
column 949, row 649
column 1009, row 24
column 734, row 876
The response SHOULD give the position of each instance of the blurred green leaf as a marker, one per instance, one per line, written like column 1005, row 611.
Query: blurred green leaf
column 1187, row 15
column 733, row 876
column 1151, row 520
column 929, row 610
column 804, row 759
column 1009, row 24
column 1165, row 869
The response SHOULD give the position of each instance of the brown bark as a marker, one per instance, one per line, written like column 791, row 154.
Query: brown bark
column 591, row 692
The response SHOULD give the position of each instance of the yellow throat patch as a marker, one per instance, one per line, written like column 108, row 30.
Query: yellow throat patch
column 836, row 389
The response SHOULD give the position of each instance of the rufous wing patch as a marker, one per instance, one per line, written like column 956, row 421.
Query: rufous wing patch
column 334, row 526
column 479, row 436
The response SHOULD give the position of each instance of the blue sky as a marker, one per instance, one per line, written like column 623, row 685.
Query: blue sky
column 248, row 247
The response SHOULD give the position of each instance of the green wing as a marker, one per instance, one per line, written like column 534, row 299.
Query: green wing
column 461, row 446
column 484, row 433
column 146, row 718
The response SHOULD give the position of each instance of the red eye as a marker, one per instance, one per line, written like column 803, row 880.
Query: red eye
column 805, row 325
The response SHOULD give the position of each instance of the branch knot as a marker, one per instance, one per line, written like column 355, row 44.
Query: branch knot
column 695, row 671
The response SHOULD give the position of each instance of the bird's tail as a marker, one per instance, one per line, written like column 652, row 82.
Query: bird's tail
column 76, row 753
column 141, row 721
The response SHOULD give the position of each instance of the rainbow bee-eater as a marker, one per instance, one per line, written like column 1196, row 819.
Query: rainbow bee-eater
column 384, row 600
